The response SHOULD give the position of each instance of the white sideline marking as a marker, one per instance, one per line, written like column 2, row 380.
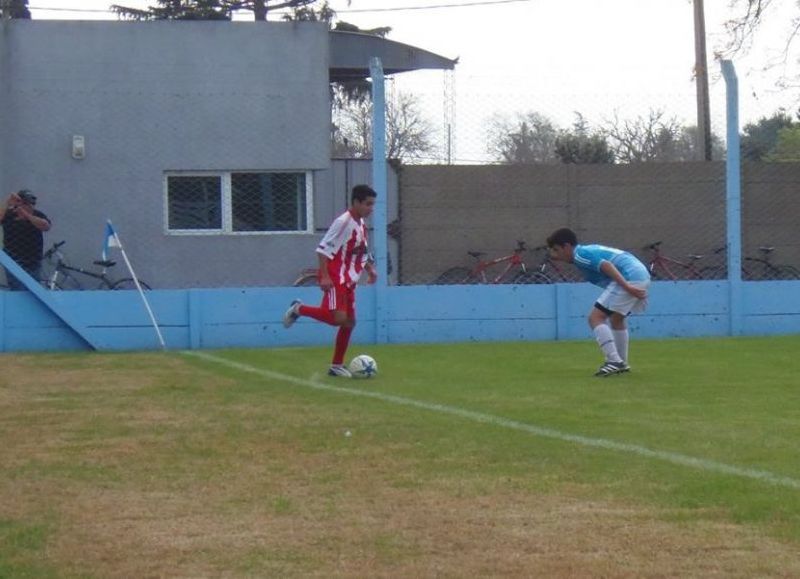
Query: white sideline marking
column 673, row 457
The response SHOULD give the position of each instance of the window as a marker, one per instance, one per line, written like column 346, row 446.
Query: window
column 194, row 202
column 252, row 202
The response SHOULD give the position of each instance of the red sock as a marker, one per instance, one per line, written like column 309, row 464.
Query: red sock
column 342, row 341
column 320, row 314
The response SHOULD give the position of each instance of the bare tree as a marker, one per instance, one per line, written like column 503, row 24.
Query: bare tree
column 643, row 138
column 743, row 29
column 655, row 138
column 409, row 135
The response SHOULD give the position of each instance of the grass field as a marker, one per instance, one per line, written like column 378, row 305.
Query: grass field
column 456, row 461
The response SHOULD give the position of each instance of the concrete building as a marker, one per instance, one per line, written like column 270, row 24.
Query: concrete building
column 206, row 143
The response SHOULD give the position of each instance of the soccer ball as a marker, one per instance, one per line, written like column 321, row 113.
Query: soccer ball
column 363, row 366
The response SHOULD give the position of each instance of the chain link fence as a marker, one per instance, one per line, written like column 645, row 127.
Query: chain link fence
column 211, row 186
column 621, row 170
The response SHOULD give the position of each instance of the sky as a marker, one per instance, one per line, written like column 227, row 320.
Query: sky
column 607, row 59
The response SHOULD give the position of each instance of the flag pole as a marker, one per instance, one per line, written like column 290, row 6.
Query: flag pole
column 138, row 287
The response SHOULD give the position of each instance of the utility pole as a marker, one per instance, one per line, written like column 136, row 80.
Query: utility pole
column 701, row 79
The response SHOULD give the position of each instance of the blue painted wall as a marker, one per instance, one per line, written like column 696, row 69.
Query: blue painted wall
column 248, row 317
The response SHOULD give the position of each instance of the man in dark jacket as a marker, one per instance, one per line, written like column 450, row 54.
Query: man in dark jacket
column 23, row 227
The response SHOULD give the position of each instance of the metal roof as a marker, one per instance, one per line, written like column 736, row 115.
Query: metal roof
column 350, row 53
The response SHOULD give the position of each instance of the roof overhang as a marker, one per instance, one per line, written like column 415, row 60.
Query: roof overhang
column 350, row 53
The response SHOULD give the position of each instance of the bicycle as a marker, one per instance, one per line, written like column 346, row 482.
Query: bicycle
column 62, row 277
column 477, row 274
column 307, row 278
column 720, row 271
column 766, row 270
column 550, row 271
column 663, row 267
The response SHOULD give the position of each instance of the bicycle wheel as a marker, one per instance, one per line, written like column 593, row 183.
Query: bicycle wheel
column 786, row 272
column 67, row 283
column 308, row 280
column 714, row 272
column 529, row 277
column 455, row 276
column 127, row 283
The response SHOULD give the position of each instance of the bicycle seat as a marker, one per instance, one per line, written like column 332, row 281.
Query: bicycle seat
column 105, row 263
column 765, row 249
column 653, row 245
column 476, row 254
column 694, row 256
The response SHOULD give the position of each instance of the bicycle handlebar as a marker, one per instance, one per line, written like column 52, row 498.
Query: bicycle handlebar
column 53, row 249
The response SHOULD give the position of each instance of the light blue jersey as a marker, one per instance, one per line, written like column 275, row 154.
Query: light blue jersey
column 588, row 258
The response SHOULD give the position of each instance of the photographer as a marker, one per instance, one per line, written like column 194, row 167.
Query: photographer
column 22, row 234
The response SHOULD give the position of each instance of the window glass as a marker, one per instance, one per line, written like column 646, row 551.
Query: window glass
column 194, row 202
column 268, row 201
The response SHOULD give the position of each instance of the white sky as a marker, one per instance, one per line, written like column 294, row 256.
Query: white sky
column 559, row 56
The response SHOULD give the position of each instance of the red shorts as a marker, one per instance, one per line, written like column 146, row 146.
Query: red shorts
column 342, row 298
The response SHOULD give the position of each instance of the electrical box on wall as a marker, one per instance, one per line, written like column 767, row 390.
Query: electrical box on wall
column 78, row 147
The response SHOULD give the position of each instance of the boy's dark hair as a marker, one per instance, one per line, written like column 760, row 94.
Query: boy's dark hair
column 562, row 237
column 361, row 192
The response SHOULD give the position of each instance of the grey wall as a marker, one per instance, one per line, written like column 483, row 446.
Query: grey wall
column 156, row 97
column 447, row 211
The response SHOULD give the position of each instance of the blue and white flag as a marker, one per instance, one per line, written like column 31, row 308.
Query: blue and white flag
column 110, row 240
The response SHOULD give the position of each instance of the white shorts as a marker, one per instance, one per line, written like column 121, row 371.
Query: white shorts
column 615, row 299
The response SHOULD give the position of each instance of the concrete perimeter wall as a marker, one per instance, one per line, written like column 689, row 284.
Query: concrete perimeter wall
column 446, row 211
column 247, row 317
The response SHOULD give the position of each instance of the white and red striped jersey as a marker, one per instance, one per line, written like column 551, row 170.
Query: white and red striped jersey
column 345, row 245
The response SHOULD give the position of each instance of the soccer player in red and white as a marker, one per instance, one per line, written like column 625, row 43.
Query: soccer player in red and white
column 342, row 255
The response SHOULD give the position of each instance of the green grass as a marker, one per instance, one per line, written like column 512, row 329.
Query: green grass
column 136, row 441
column 732, row 401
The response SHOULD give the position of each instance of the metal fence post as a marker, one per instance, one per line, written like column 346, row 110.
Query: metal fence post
column 733, row 199
column 379, row 216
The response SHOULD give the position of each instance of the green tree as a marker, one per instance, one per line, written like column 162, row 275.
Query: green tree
column 687, row 141
column 324, row 13
column 758, row 140
column 583, row 145
column 206, row 9
column 16, row 9
column 522, row 139
column 787, row 146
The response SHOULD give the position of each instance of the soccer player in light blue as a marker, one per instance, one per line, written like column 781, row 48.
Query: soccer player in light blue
column 625, row 280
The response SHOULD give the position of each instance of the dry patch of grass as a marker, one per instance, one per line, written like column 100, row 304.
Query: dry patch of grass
column 263, row 505
column 378, row 531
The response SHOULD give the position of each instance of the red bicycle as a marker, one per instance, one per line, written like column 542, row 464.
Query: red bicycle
column 514, row 271
column 551, row 271
column 308, row 277
column 663, row 267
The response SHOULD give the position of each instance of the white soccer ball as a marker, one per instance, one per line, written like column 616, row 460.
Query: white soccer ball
column 363, row 366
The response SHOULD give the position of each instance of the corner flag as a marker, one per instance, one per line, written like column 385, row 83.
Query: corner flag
column 110, row 240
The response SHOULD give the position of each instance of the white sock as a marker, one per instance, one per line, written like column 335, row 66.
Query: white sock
column 605, row 339
column 621, row 341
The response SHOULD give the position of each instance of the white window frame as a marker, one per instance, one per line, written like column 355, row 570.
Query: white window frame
column 226, row 198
